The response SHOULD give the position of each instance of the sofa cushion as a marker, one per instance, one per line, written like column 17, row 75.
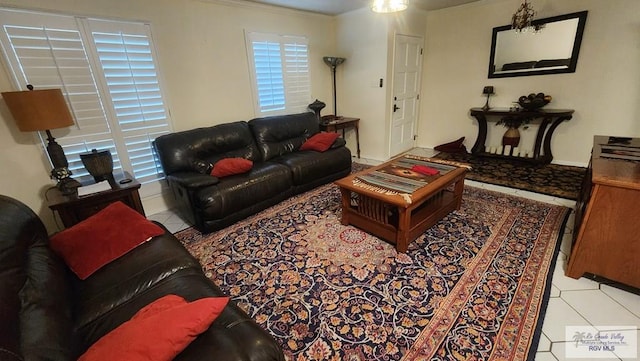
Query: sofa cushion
column 320, row 142
column 119, row 283
column 184, row 151
column 231, row 194
column 159, row 331
column 308, row 167
column 103, row 237
column 282, row 134
column 231, row 166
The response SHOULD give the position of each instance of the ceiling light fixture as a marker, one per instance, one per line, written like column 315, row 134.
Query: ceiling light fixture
column 389, row 6
column 521, row 20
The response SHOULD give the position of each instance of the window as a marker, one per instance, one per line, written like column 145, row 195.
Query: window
column 280, row 73
column 108, row 74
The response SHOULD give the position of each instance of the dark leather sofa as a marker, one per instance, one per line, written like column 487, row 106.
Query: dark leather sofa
column 46, row 313
column 279, row 171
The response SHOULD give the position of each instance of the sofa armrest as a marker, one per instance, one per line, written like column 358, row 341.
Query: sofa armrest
column 193, row 179
column 339, row 142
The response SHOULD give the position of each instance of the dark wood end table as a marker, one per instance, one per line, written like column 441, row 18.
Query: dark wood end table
column 332, row 124
column 73, row 208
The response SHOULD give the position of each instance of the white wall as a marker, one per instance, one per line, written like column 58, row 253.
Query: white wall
column 366, row 40
column 202, row 57
column 604, row 90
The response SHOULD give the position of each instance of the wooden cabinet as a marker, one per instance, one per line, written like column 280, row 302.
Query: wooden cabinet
column 73, row 208
column 607, row 225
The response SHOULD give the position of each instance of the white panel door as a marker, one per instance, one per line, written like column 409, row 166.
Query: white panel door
column 407, row 69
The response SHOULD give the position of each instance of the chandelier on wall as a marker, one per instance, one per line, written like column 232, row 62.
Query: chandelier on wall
column 521, row 20
column 389, row 6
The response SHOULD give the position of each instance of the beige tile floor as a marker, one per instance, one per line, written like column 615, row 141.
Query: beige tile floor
column 581, row 302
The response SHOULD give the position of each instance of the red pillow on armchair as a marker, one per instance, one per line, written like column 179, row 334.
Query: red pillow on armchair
column 91, row 244
column 320, row 141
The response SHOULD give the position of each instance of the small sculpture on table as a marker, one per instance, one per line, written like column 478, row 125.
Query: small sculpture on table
column 317, row 107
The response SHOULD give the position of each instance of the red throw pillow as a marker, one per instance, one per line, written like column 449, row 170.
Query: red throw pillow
column 320, row 142
column 230, row 166
column 115, row 230
column 159, row 331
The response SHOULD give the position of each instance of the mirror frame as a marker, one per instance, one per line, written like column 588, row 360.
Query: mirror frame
column 582, row 19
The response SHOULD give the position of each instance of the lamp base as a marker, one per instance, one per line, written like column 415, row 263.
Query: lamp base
column 68, row 186
column 486, row 105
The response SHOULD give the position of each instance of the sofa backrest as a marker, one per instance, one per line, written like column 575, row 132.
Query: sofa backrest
column 282, row 134
column 35, row 301
column 183, row 151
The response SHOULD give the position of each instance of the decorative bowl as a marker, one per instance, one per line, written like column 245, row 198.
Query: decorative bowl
column 534, row 101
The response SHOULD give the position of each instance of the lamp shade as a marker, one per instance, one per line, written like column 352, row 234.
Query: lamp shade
column 333, row 61
column 38, row 109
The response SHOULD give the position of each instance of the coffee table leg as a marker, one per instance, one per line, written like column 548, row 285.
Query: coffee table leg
column 458, row 191
column 402, row 238
column 346, row 205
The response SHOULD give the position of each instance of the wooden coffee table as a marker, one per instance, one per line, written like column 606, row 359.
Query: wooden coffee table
column 397, row 218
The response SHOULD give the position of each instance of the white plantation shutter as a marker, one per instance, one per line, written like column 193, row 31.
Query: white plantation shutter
column 280, row 73
column 126, row 57
column 298, row 85
column 106, row 71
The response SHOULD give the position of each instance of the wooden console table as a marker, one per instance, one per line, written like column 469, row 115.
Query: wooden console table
column 330, row 124
column 551, row 118
column 606, row 241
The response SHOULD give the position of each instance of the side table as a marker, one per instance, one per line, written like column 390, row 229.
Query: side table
column 330, row 124
column 73, row 208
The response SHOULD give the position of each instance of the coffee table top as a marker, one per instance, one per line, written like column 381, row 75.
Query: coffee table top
column 426, row 186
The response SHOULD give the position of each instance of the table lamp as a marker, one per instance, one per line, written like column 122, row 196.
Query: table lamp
column 36, row 110
column 488, row 91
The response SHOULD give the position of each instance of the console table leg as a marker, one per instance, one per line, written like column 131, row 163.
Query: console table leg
column 478, row 147
column 548, row 156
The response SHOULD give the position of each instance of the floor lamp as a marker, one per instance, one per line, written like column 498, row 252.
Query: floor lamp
column 37, row 110
column 333, row 62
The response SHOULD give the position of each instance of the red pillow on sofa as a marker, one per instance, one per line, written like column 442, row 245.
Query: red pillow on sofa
column 320, row 141
column 230, row 166
column 103, row 237
column 159, row 331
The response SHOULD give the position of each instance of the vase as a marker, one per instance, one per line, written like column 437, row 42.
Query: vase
column 511, row 137
column 99, row 164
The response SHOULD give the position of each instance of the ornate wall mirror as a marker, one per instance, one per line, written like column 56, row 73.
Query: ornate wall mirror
column 552, row 50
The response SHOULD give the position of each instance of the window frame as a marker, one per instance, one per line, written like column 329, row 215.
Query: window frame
column 295, row 100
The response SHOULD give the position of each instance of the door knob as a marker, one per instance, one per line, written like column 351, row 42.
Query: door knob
column 395, row 107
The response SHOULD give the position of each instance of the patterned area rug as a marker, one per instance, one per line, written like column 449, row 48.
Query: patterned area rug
column 551, row 179
column 474, row 286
